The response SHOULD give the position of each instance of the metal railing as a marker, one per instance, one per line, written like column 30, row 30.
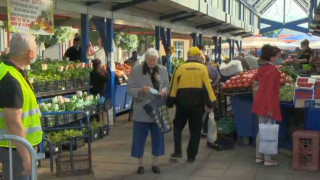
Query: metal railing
column 26, row 144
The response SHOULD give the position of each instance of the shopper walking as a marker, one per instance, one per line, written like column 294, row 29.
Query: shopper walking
column 267, row 101
column 144, row 79
column 167, row 61
column 98, row 78
column 214, row 79
column 19, row 112
column 190, row 91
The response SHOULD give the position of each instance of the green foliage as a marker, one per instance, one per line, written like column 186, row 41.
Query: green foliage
column 287, row 93
column 94, row 38
column 125, row 41
column 150, row 41
column 61, row 34
column 65, row 135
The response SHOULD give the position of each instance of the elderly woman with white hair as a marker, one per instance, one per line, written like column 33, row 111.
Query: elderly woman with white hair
column 145, row 79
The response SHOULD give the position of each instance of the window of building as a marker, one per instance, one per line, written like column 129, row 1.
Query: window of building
column 179, row 48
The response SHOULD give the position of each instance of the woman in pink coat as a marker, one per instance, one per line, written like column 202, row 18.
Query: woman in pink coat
column 267, row 98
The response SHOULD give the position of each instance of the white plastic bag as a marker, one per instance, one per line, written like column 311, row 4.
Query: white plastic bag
column 232, row 68
column 212, row 129
column 268, row 138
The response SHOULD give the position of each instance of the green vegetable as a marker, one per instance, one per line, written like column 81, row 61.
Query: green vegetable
column 287, row 93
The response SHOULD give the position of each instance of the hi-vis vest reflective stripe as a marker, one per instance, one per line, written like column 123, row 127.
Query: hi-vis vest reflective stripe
column 30, row 110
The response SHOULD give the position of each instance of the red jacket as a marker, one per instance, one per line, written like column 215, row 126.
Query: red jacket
column 267, row 98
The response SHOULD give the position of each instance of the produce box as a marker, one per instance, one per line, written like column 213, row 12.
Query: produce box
column 78, row 164
column 70, row 84
column 302, row 95
column 305, row 83
column 226, row 125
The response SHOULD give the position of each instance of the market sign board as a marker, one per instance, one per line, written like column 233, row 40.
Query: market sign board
column 35, row 16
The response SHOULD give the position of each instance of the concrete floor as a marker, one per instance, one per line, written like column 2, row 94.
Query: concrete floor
column 111, row 160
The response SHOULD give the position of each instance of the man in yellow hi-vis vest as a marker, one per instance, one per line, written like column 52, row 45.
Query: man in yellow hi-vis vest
column 19, row 112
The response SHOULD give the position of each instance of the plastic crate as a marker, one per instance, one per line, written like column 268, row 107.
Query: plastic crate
column 225, row 141
column 56, row 148
column 312, row 119
column 60, row 85
column 70, row 84
column 306, row 150
column 41, row 86
column 77, row 83
column 60, row 119
column 78, row 164
column 75, row 143
column 104, row 131
column 69, row 118
column 226, row 125
column 94, row 134
column 48, row 121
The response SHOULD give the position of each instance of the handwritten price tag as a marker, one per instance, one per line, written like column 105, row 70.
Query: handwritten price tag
column 61, row 68
column 44, row 67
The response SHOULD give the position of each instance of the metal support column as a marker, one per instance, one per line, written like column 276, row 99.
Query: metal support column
column 240, row 45
column 84, row 37
column 168, row 37
column 215, row 39
column 232, row 49
column 200, row 39
column 194, row 38
column 157, row 38
column 111, row 85
column 220, row 49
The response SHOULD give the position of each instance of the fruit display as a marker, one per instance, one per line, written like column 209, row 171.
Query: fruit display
column 287, row 92
column 123, row 69
column 245, row 79
column 76, row 102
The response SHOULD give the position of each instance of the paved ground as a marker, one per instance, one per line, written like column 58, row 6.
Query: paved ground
column 111, row 160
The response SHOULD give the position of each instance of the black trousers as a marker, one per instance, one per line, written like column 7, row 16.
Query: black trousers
column 194, row 117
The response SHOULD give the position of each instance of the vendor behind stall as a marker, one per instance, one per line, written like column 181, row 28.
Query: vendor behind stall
column 74, row 52
column 305, row 53
column 133, row 59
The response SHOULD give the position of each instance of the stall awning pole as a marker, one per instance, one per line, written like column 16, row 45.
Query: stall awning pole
column 157, row 29
column 194, row 38
column 216, row 46
column 200, row 39
column 219, row 49
column 84, row 37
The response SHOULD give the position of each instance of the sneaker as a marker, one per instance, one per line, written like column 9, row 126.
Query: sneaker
column 156, row 169
column 191, row 160
column 259, row 160
column 203, row 134
column 176, row 155
column 140, row 170
column 271, row 163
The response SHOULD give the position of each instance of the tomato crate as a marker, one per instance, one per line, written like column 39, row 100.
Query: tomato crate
column 226, row 125
column 78, row 83
column 85, row 82
column 48, row 121
column 246, row 90
column 44, row 86
column 78, row 164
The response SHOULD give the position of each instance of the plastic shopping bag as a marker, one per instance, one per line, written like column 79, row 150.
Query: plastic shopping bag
column 268, row 137
column 158, row 111
column 212, row 129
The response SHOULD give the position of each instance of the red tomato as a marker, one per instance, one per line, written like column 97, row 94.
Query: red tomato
column 291, row 80
column 228, row 82
column 244, row 80
column 238, row 81
column 283, row 80
column 224, row 86
column 237, row 76
column 233, row 78
column 230, row 86
column 245, row 84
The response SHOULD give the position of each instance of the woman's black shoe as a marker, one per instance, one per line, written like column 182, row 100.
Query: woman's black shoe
column 140, row 170
column 156, row 169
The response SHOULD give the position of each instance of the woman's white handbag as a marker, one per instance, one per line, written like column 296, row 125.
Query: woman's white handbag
column 268, row 138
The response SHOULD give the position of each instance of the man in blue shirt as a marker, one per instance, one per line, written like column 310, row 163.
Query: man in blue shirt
column 167, row 61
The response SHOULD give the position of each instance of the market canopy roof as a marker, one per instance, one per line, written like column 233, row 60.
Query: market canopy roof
column 258, row 42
